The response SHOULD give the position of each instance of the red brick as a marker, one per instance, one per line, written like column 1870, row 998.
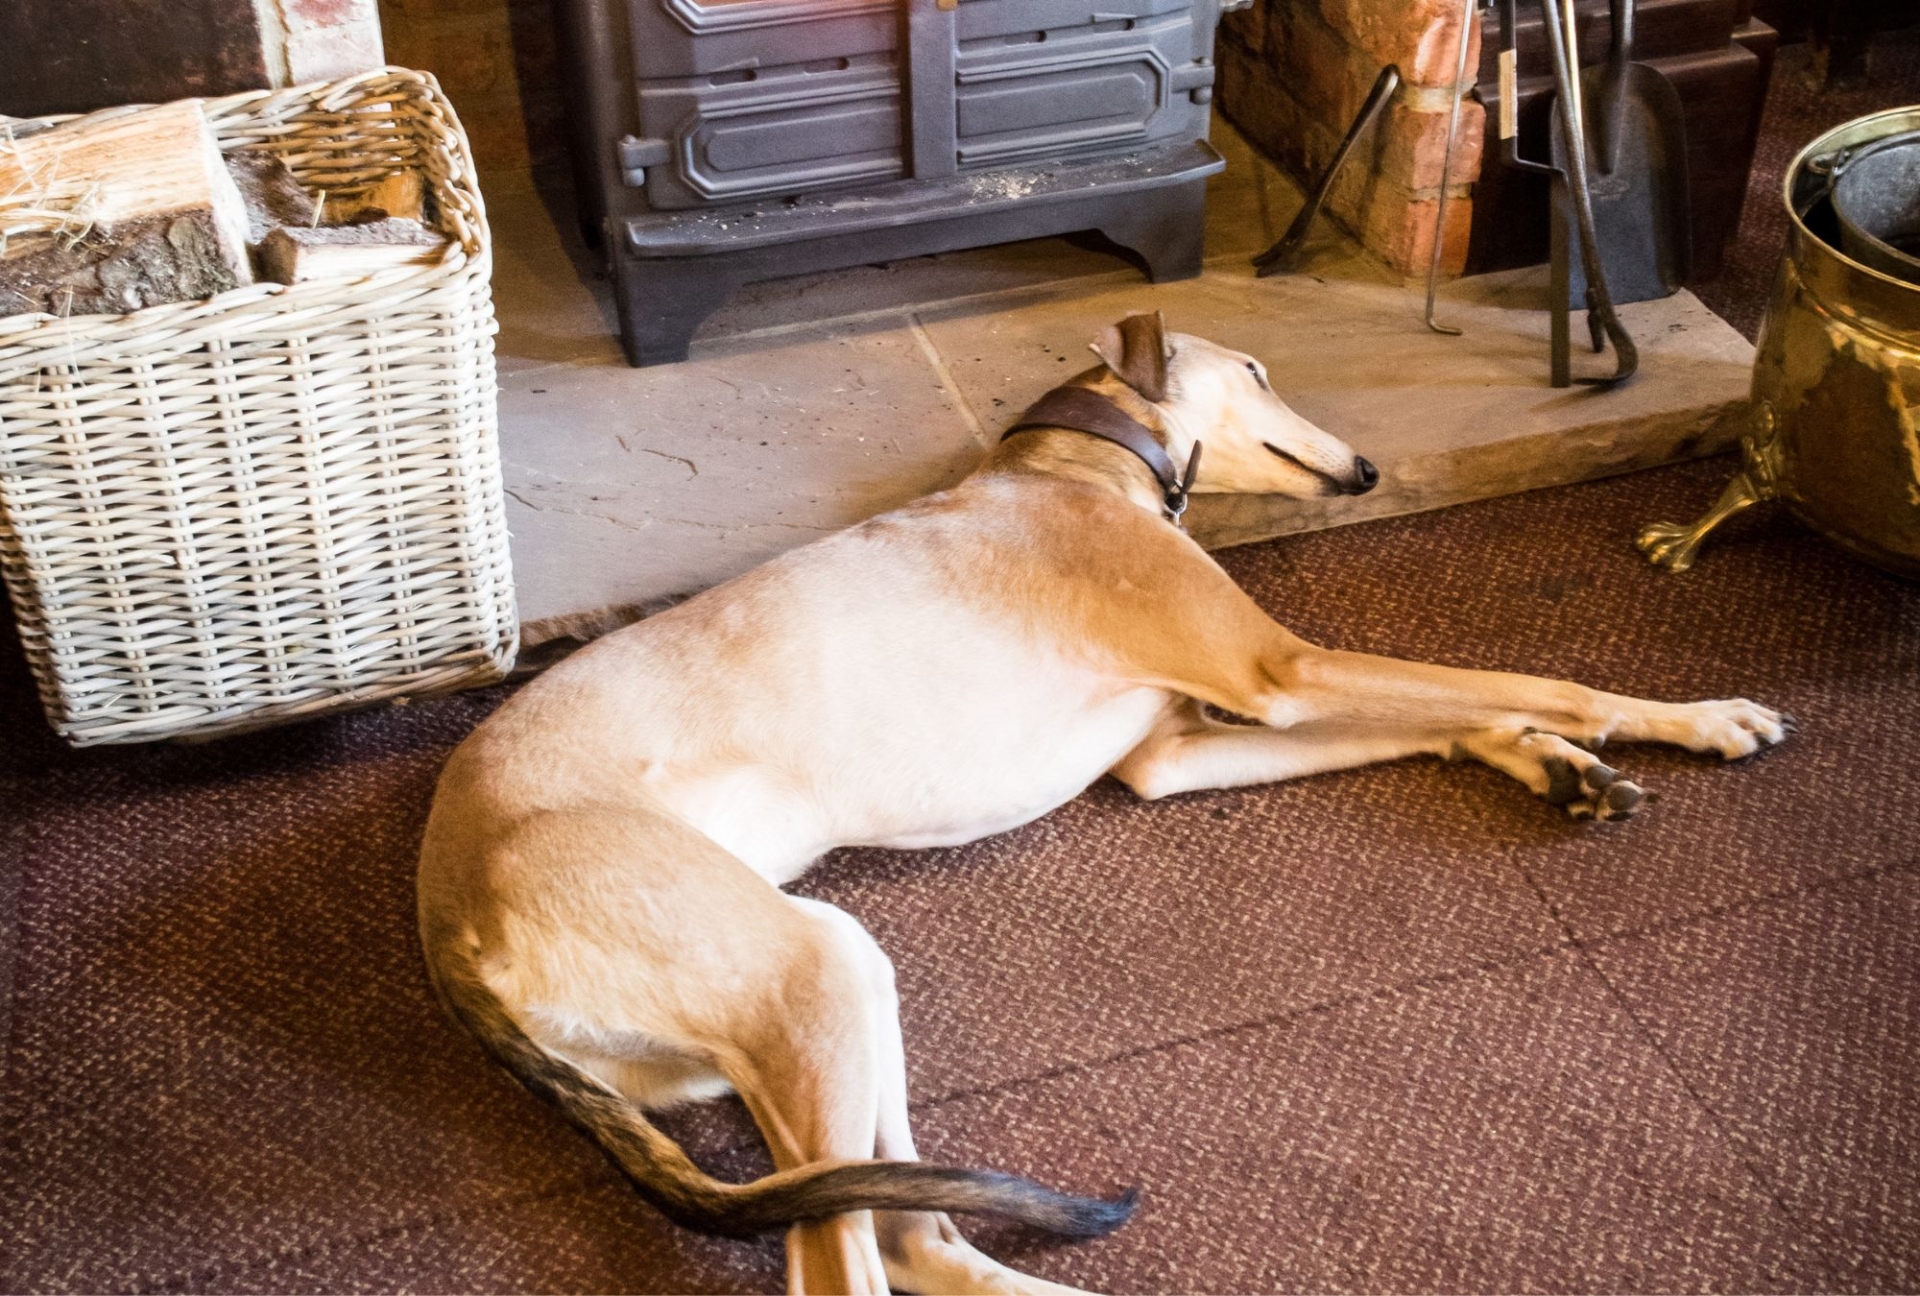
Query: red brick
column 1246, row 28
column 1414, row 144
column 536, row 52
column 1417, row 36
column 1400, row 232
column 1320, row 68
column 472, row 56
column 430, row 9
column 546, row 124
column 1351, row 196
column 1296, row 105
column 498, row 133
column 1251, row 98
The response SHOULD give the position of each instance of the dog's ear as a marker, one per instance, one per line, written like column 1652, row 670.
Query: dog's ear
column 1136, row 350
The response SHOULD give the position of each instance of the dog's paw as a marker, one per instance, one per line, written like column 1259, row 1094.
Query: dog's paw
column 1733, row 727
column 1560, row 772
column 1579, row 781
column 1602, row 794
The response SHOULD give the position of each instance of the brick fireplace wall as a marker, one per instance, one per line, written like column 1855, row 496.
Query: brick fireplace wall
column 1293, row 75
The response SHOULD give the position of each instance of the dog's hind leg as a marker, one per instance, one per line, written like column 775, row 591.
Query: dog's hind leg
column 811, row 1080
column 1189, row 751
column 1553, row 768
column 614, row 958
column 923, row 1251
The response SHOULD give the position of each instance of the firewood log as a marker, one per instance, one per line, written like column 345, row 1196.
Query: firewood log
column 292, row 256
column 116, row 215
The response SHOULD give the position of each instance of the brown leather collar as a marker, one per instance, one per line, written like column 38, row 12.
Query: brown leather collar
column 1081, row 409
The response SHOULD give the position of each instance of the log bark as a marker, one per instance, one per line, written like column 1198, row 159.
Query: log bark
column 272, row 195
column 117, row 269
column 132, row 211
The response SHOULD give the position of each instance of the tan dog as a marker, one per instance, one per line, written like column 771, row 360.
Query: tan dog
column 599, row 888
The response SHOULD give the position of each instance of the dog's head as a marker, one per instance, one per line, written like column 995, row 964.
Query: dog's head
column 1206, row 393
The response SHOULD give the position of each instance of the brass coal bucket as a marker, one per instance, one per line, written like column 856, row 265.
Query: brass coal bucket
column 1835, row 423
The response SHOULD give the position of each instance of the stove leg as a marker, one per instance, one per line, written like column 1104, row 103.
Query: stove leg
column 663, row 303
column 1167, row 231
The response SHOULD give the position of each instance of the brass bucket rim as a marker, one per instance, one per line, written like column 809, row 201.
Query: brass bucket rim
column 1849, row 134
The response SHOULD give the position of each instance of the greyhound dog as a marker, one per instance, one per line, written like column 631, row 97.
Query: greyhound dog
column 600, row 882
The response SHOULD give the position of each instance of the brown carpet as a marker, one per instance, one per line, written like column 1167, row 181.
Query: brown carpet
column 1402, row 1029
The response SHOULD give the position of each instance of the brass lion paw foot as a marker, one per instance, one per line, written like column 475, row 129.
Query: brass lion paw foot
column 1674, row 545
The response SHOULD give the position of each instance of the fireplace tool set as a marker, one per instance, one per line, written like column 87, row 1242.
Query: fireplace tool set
column 1635, row 162
column 1621, row 198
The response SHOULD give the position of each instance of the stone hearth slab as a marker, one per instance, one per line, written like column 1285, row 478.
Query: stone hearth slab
column 625, row 486
column 810, row 403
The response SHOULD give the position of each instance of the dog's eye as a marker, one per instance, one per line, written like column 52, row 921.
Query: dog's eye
column 1254, row 369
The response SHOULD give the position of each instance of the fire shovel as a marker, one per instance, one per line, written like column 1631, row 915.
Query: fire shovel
column 1637, row 144
column 1572, row 198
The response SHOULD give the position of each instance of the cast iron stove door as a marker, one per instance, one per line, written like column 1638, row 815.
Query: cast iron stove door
column 746, row 99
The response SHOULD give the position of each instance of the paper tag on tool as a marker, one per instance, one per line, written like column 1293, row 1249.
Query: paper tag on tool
column 1509, row 100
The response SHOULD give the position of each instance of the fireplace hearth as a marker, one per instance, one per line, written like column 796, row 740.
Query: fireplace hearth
column 725, row 141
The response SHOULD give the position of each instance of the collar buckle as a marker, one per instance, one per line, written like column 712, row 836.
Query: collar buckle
column 1178, row 493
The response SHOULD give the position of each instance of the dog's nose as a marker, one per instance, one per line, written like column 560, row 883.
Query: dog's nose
column 1365, row 476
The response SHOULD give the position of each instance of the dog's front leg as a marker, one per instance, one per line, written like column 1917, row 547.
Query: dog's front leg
column 1172, row 620
column 1318, row 685
column 1340, row 710
column 1346, row 709
column 1181, row 625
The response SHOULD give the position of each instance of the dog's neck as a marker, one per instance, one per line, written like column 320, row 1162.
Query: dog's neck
column 1079, row 457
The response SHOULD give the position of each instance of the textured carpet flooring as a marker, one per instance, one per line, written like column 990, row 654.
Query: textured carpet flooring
column 1399, row 1029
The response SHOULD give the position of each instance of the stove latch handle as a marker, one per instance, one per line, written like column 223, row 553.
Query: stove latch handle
column 637, row 154
column 1195, row 79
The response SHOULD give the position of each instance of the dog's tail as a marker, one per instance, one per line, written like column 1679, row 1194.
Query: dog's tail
column 684, row 1193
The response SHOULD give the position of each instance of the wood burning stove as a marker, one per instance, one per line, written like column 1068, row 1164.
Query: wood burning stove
column 724, row 141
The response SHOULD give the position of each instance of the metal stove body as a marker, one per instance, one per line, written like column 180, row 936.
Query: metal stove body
column 720, row 142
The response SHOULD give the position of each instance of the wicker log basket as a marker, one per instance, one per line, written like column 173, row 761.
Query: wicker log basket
column 281, row 500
